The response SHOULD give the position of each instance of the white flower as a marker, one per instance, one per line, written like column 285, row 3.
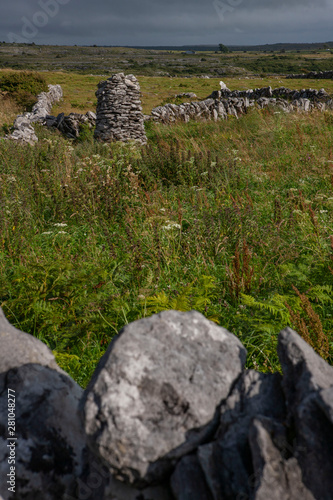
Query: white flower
column 11, row 178
column 323, row 211
column 162, row 209
column 171, row 225
column 62, row 232
column 60, row 224
column 47, row 232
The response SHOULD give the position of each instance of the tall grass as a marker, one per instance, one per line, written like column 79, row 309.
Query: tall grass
column 233, row 218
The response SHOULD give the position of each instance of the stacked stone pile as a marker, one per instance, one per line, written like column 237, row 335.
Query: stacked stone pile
column 23, row 129
column 223, row 103
column 169, row 414
column 119, row 111
column 314, row 74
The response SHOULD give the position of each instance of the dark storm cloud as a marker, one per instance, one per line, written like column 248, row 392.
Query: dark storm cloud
column 148, row 22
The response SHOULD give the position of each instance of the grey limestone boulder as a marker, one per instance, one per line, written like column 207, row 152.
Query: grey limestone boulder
column 50, row 446
column 188, row 480
column 308, row 385
column 19, row 348
column 274, row 477
column 226, row 461
column 155, row 394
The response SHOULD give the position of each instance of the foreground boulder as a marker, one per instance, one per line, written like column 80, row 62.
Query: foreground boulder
column 155, row 394
column 170, row 414
column 45, row 442
column 308, row 387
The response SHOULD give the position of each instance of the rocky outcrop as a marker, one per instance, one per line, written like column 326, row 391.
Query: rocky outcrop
column 224, row 103
column 169, row 414
column 23, row 129
column 313, row 75
column 119, row 111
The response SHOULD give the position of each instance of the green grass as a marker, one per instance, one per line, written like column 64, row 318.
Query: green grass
column 228, row 218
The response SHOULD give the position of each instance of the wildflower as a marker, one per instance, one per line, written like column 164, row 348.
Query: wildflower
column 162, row 209
column 11, row 178
column 62, row 232
column 323, row 211
column 205, row 173
column 171, row 225
column 47, row 232
column 60, row 224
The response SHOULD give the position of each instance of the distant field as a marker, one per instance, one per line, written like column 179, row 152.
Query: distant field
column 106, row 60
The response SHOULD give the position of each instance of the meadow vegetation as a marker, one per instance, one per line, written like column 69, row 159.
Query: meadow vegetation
column 234, row 219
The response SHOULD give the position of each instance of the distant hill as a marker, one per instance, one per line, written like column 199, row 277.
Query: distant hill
column 255, row 48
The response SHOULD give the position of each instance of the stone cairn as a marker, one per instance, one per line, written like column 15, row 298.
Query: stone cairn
column 119, row 111
column 224, row 103
column 169, row 414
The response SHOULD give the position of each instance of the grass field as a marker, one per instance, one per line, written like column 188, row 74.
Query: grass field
column 106, row 60
column 234, row 219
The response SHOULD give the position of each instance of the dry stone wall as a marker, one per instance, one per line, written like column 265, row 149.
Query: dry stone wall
column 313, row 75
column 169, row 414
column 23, row 125
column 223, row 103
column 69, row 125
column 119, row 111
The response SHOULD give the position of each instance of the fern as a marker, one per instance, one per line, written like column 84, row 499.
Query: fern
column 274, row 307
column 200, row 297
column 321, row 293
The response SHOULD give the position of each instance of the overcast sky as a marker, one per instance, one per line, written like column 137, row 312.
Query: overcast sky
column 166, row 22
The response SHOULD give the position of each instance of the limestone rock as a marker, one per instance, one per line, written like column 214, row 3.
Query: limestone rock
column 227, row 460
column 188, row 481
column 307, row 383
column 274, row 477
column 154, row 396
column 118, row 490
column 70, row 125
column 24, row 132
column 19, row 348
column 50, row 439
column 51, row 450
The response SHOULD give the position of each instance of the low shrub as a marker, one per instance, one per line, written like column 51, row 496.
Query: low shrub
column 23, row 87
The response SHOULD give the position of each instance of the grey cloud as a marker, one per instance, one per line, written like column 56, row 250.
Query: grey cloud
column 174, row 22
